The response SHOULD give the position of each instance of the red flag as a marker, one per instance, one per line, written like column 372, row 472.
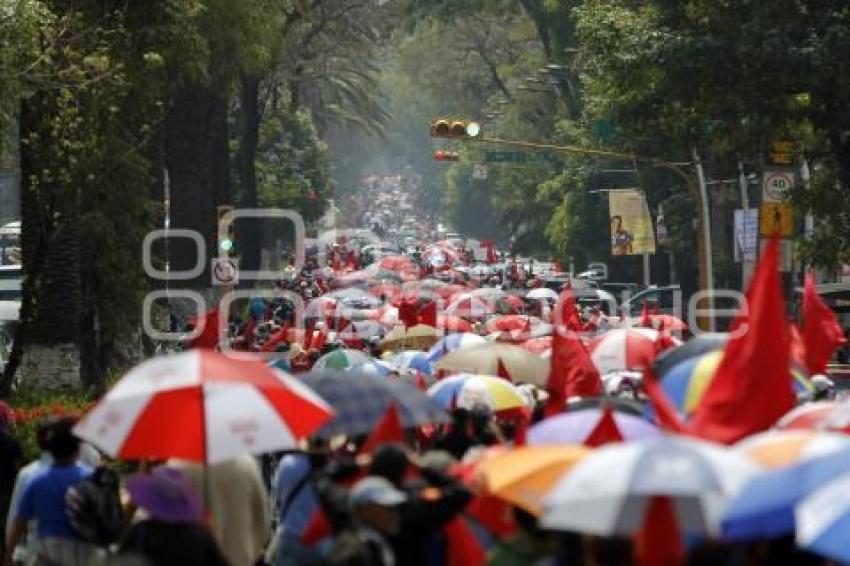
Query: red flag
column 317, row 528
column 407, row 313
column 822, row 334
column 428, row 315
column 751, row 388
column 319, row 341
column 308, row 335
column 659, row 542
column 462, row 546
column 421, row 384
column 798, row 349
column 388, row 430
column 665, row 414
column 605, row 431
column 521, row 432
column 208, row 339
column 281, row 335
column 571, row 373
column 502, row 371
column 645, row 320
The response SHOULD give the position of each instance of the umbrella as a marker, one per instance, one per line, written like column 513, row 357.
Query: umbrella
column 523, row 476
column 823, row 520
column 469, row 306
column 820, row 415
column 413, row 360
column 778, row 448
column 542, row 293
column 607, row 493
column 389, row 290
column 522, row 365
column 765, row 507
column 453, row 324
column 696, row 346
column 380, row 368
column 540, row 346
column 388, row 316
column 342, row 358
column 467, row 390
column 623, row 349
column 202, row 406
column 454, row 342
column 420, row 337
column 619, row 404
column 361, row 400
column 686, row 382
column 510, row 303
column 574, row 427
column 509, row 322
column 398, row 263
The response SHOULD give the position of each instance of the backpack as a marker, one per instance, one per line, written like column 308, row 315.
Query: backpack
column 93, row 507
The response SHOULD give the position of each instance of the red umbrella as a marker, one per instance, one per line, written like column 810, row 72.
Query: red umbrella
column 202, row 406
column 512, row 302
column 509, row 322
column 397, row 263
column 624, row 349
column 453, row 324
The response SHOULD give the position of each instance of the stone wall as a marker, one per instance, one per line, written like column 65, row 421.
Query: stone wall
column 52, row 368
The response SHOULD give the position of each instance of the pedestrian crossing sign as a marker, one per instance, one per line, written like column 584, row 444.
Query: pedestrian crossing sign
column 776, row 218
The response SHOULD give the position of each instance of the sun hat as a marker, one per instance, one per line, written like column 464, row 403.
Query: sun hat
column 166, row 495
column 377, row 491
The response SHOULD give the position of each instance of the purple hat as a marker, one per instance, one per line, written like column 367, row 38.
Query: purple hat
column 166, row 495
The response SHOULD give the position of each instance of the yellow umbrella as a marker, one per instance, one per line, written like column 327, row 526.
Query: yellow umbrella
column 524, row 475
column 522, row 365
column 419, row 337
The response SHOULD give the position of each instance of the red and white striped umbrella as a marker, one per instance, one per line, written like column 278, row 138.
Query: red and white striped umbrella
column 820, row 415
column 202, row 406
column 625, row 349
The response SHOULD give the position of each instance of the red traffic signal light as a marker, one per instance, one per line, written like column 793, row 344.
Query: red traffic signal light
column 441, row 155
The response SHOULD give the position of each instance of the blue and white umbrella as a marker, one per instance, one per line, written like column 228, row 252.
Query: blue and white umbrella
column 608, row 492
column 413, row 360
column 772, row 504
column 454, row 342
column 823, row 520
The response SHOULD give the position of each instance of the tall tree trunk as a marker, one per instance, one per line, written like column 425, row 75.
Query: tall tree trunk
column 250, row 231
column 187, row 157
column 220, row 151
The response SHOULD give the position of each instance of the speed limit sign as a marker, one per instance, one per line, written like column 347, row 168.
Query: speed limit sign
column 777, row 186
column 225, row 271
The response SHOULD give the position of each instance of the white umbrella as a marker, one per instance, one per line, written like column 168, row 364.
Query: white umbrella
column 542, row 293
column 607, row 493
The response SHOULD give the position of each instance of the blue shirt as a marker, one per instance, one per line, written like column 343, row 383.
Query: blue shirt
column 290, row 471
column 43, row 500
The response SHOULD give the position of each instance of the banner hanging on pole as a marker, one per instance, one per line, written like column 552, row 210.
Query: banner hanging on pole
column 630, row 222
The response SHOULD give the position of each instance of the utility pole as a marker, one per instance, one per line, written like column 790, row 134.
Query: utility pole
column 696, row 189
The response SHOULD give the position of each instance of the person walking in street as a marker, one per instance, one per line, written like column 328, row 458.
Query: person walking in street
column 238, row 505
column 173, row 532
column 375, row 518
column 43, row 500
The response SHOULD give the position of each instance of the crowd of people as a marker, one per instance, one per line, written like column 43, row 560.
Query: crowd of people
column 399, row 495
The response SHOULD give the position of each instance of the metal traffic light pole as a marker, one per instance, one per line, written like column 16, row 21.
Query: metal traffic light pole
column 696, row 188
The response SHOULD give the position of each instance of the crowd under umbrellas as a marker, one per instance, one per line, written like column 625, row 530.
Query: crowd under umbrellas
column 440, row 419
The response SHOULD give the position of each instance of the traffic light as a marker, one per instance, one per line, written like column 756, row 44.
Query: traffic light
column 225, row 234
column 441, row 155
column 455, row 129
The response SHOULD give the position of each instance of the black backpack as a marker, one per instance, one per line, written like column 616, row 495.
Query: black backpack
column 93, row 507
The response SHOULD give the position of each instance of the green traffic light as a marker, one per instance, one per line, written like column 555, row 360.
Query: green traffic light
column 226, row 244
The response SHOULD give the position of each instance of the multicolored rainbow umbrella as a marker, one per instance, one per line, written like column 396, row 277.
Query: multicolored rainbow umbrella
column 686, row 382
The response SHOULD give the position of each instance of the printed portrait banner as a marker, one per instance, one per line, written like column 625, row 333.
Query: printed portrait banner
column 631, row 224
